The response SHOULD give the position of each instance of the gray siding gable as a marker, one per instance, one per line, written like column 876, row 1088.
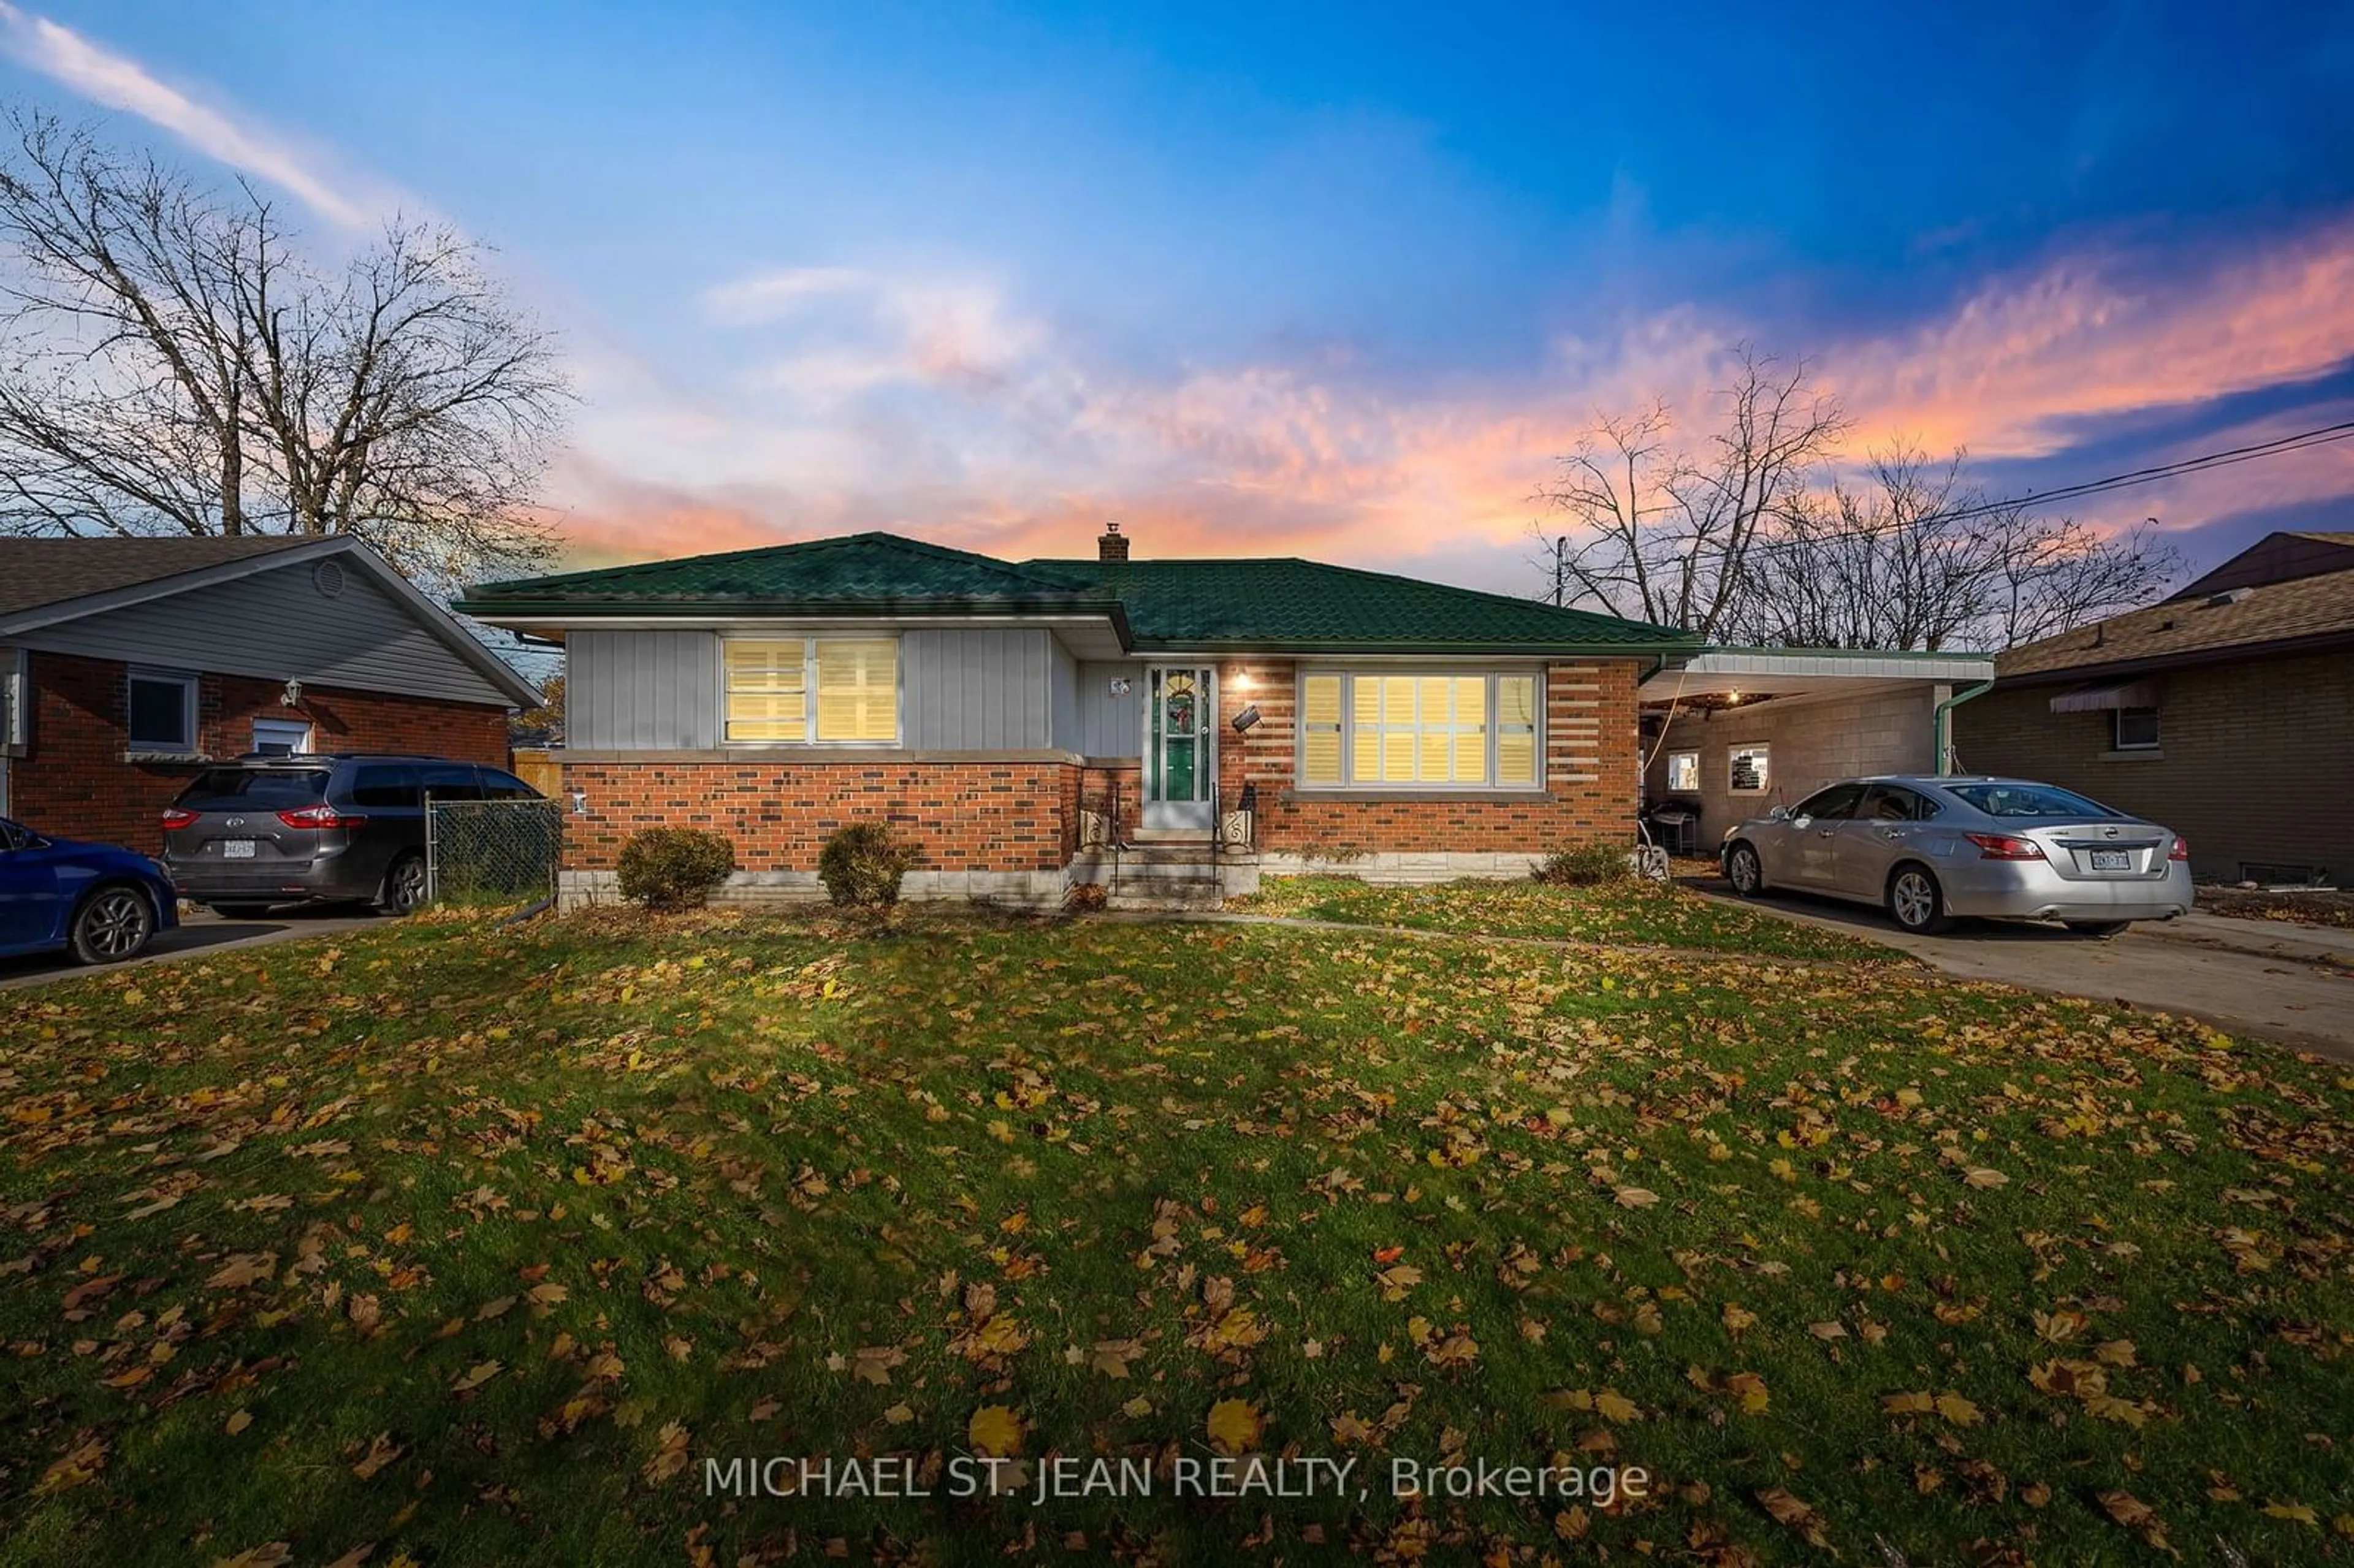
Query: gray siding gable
column 641, row 691
column 982, row 689
column 967, row 689
column 278, row 625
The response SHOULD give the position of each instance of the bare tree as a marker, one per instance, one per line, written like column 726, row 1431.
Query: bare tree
column 170, row 363
column 1914, row 556
column 1654, row 532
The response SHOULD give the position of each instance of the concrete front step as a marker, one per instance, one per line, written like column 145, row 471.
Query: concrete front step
column 1162, row 863
column 1186, row 896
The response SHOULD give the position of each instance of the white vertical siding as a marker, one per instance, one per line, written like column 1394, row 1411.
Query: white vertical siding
column 982, row 689
column 1063, row 698
column 641, row 691
column 1109, row 725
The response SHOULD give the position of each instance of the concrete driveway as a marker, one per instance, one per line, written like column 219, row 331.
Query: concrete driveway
column 199, row 934
column 2264, row 979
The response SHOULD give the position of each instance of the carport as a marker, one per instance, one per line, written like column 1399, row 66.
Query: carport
column 1732, row 732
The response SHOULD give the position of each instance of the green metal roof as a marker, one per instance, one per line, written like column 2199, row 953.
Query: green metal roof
column 1283, row 605
column 860, row 571
column 1290, row 605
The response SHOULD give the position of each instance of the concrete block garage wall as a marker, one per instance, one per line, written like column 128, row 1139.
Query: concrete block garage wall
column 1811, row 741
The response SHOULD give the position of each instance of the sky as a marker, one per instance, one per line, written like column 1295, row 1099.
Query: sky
column 1334, row 280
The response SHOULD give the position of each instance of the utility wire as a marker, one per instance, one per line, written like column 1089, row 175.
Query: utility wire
column 2225, row 458
column 2200, row 464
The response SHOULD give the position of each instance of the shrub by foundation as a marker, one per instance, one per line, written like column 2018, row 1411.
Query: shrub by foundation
column 1583, row 866
column 863, row 862
column 674, row 868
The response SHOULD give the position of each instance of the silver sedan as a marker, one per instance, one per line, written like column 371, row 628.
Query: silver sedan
column 1928, row 848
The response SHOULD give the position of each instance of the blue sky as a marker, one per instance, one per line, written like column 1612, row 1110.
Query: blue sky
column 1319, row 280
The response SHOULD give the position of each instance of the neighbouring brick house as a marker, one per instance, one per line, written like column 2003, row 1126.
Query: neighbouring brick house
column 1036, row 724
column 2226, row 712
column 126, row 665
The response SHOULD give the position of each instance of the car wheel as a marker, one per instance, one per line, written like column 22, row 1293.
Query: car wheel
column 2101, row 929
column 404, row 885
column 113, row 924
column 1742, row 870
column 240, row 911
column 1915, row 902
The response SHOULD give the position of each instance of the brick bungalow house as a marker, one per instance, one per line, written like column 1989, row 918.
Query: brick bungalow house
column 1038, row 724
column 2226, row 712
column 126, row 664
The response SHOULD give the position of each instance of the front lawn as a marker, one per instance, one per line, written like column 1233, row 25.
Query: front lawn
column 451, row 1244
column 1629, row 911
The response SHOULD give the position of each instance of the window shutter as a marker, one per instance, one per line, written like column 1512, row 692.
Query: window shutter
column 1470, row 729
column 1365, row 750
column 765, row 699
column 858, row 691
column 1516, row 730
column 1320, row 716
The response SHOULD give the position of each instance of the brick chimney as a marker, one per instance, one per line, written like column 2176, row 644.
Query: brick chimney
column 1113, row 545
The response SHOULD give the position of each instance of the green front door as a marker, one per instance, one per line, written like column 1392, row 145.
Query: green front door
column 1178, row 764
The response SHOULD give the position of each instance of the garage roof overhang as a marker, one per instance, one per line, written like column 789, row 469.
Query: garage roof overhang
column 1739, row 675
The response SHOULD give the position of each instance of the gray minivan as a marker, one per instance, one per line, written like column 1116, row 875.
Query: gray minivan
column 264, row 831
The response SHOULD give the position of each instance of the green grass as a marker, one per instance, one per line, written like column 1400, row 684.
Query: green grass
column 1627, row 911
column 1471, row 1196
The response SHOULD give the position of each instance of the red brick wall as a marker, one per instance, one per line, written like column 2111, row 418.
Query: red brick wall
column 1097, row 787
column 968, row 816
column 73, row 780
column 1024, row 816
column 1592, row 764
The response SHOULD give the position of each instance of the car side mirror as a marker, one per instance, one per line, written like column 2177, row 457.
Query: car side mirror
column 1777, row 814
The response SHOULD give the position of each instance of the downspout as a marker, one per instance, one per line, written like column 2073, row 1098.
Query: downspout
column 1945, row 725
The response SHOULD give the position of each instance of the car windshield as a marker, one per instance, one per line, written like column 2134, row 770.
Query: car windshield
column 263, row 789
column 2027, row 801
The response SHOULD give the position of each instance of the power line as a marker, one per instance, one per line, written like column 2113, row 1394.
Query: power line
column 2200, row 464
column 2225, row 458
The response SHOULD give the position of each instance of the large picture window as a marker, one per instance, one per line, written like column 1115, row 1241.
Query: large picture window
column 1417, row 728
column 800, row 691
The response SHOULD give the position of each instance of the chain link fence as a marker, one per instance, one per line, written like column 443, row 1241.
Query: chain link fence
column 494, row 853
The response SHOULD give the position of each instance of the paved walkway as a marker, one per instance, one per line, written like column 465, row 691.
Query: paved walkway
column 198, row 934
column 2265, row 978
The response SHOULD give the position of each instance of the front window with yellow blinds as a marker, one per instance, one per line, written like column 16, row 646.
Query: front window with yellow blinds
column 1387, row 730
column 798, row 690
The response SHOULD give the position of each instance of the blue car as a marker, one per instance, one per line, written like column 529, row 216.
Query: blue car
column 104, row 903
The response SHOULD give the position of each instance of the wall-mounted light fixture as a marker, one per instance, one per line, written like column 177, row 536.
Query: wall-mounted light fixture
column 1244, row 719
column 1242, row 680
column 579, row 803
column 292, row 697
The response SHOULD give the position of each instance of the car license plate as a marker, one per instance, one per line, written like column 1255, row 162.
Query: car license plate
column 2111, row 859
column 237, row 849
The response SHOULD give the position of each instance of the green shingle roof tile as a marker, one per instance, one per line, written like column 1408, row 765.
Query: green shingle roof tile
column 858, row 568
column 1295, row 604
column 1277, row 605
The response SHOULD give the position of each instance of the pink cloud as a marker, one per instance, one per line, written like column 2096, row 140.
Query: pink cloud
column 2079, row 339
column 936, row 408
